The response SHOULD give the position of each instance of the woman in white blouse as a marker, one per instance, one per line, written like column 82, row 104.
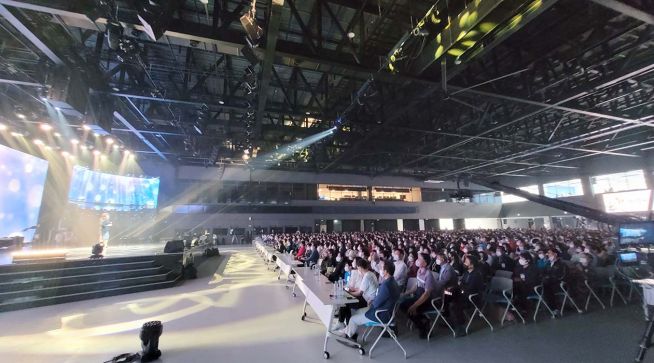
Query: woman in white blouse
column 365, row 291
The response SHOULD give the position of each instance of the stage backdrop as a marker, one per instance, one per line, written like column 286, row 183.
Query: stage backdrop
column 22, row 179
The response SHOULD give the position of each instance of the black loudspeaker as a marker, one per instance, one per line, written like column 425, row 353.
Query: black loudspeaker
column 175, row 246
column 96, row 251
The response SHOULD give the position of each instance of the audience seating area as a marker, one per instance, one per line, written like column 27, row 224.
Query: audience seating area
column 478, row 279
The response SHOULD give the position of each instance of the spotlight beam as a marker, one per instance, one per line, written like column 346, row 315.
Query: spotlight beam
column 286, row 151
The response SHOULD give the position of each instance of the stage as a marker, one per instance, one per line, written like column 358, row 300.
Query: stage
column 83, row 253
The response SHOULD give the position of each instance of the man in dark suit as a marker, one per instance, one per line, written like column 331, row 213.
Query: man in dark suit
column 472, row 282
column 387, row 295
column 313, row 257
column 554, row 275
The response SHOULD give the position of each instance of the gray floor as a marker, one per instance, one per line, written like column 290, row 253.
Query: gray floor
column 243, row 314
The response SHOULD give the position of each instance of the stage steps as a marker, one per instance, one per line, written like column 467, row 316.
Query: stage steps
column 40, row 284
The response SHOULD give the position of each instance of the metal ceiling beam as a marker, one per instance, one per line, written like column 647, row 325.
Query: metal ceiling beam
column 138, row 134
column 29, row 35
column 547, row 106
column 272, row 34
column 226, row 41
column 627, row 10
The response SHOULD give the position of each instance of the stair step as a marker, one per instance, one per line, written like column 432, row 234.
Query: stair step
column 8, row 306
column 89, row 287
column 46, row 282
column 73, row 271
column 70, row 264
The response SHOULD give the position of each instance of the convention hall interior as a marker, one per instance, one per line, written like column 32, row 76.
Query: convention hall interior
column 257, row 181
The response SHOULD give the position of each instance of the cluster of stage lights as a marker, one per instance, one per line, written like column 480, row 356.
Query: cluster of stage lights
column 47, row 128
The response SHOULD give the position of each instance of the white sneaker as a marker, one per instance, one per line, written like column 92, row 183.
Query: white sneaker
column 341, row 332
column 339, row 326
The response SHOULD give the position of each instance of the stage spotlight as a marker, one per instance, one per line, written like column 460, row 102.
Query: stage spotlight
column 116, row 147
column 84, row 147
column 56, row 134
column 127, row 152
column 96, row 152
column 74, row 141
column 58, row 108
column 86, row 127
column 21, row 116
column 221, row 102
column 17, row 134
column 37, row 142
column 246, row 157
column 150, row 333
column 3, row 127
column 96, row 134
column 65, row 153
column 109, row 141
column 45, row 127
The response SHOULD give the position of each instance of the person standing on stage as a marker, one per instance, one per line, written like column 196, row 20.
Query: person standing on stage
column 105, row 227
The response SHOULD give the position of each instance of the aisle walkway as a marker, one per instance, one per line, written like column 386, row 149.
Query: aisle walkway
column 243, row 314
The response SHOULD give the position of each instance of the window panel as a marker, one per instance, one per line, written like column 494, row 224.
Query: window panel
column 565, row 188
column 510, row 198
column 608, row 183
column 633, row 201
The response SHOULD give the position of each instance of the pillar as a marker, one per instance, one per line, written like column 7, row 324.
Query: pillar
column 421, row 224
column 400, row 225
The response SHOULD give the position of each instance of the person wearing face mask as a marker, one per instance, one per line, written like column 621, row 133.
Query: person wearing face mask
column 386, row 297
column 364, row 291
column 339, row 268
column 472, row 282
column 411, row 265
column 420, row 301
column 503, row 261
column 555, row 274
column 542, row 262
column 401, row 269
column 313, row 257
column 525, row 278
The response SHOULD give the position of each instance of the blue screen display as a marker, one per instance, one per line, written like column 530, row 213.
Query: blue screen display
column 22, row 179
column 100, row 191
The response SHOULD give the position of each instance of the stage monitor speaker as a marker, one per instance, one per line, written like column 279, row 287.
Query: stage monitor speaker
column 175, row 246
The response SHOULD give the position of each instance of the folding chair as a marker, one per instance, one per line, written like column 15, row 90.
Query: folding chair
column 566, row 296
column 438, row 304
column 411, row 284
column 504, row 273
column 476, row 312
column 606, row 281
column 538, row 296
column 500, row 291
column 386, row 328
column 591, row 293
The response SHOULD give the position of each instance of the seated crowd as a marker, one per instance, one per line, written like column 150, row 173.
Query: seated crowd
column 447, row 265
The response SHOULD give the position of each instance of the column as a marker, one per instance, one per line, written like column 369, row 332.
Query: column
column 421, row 224
column 400, row 225
column 362, row 227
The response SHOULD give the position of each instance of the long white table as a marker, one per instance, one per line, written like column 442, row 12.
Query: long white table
column 286, row 264
column 319, row 294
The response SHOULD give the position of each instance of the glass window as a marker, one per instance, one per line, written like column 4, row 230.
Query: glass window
column 633, row 201
column 608, row 183
column 565, row 188
column 342, row 192
column 510, row 198
column 396, row 194
column 487, row 198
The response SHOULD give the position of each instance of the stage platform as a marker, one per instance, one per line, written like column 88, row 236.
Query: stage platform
column 83, row 253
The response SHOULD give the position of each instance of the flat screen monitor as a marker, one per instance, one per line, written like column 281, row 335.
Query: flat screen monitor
column 22, row 180
column 628, row 258
column 91, row 189
column 639, row 233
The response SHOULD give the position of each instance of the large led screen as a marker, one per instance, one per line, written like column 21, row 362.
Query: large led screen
column 101, row 191
column 22, row 179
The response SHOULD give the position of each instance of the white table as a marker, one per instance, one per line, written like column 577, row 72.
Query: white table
column 286, row 264
column 319, row 294
column 266, row 252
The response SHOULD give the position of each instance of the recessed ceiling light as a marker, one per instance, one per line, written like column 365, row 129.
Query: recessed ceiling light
column 21, row 115
column 221, row 102
column 351, row 35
